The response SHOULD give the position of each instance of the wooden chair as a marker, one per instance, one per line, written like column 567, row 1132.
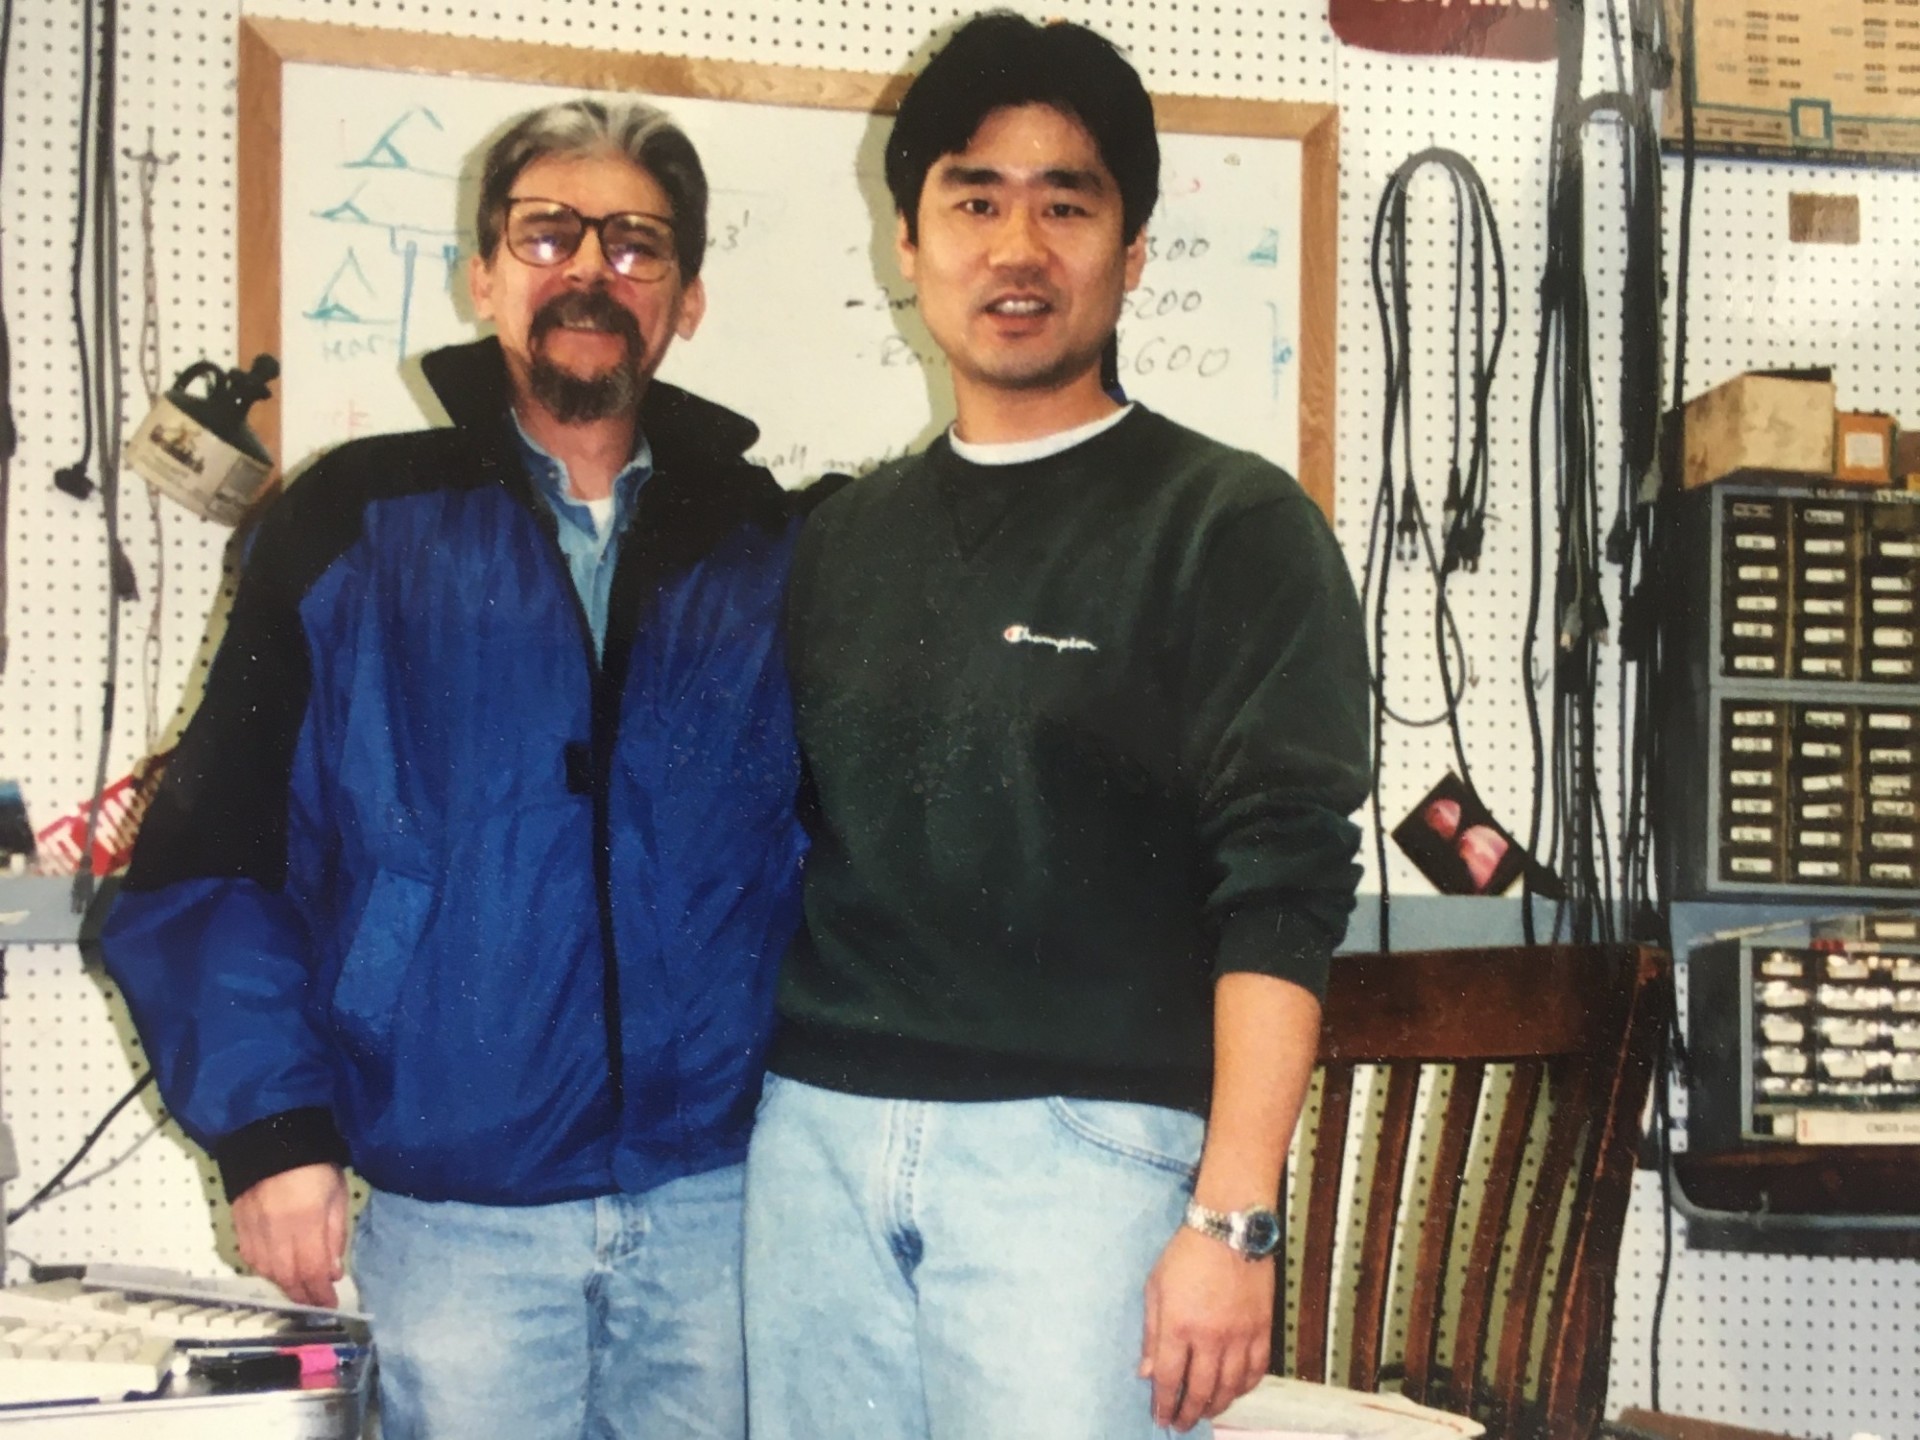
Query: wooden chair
column 1461, row 1180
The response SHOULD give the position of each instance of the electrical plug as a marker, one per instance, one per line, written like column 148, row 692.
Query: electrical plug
column 73, row 479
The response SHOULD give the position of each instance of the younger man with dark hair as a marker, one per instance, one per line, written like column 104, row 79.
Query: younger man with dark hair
column 1083, row 697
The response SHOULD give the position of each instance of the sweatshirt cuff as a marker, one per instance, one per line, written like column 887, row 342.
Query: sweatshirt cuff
column 279, row 1142
column 1273, row 940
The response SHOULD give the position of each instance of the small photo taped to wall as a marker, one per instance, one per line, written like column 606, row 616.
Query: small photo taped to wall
column 1457, row 845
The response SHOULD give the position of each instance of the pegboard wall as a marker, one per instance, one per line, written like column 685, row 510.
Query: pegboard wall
column 1811, row 1347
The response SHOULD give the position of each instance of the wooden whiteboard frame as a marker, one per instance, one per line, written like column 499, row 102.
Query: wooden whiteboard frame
column 266, row 46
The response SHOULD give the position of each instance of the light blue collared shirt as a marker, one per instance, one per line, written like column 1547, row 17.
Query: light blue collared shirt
column 591, row 552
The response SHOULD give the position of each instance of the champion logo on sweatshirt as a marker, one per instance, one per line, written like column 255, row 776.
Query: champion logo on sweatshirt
column 1021, row 635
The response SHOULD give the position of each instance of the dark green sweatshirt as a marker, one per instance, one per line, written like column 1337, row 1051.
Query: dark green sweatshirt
column 1083, row 734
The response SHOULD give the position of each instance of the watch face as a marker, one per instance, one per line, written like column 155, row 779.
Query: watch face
column 1262, row 1233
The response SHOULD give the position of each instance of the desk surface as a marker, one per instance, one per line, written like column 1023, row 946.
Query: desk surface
column 195, row 1412
column 38, row 909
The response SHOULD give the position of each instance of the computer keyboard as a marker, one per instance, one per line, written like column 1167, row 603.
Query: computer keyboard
column 246, row 1290
column 43, row 1360
column 114, row 1333
column 68, row 1302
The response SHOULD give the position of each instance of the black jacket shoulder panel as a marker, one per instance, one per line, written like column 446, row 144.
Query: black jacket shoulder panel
column 220, row 809
column 320, row 515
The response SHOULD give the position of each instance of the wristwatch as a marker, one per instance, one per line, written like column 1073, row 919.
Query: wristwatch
column 1254, row 1233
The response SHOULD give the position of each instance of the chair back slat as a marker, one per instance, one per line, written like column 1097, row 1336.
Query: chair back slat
column 1584, row 1316
column 1469, row 1229
column 1483, row 1261
column 1436, row 1226
column 1323, row 1201
column 1383, row 1219
column 1567, row 1087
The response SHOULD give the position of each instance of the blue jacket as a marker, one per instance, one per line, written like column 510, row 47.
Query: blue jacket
column 429, row 888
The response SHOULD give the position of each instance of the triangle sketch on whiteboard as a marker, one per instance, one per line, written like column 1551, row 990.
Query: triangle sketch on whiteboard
column 1267, row 252
column 334, row 309
column 347, row 212
column 402, row 203
column 389, row 153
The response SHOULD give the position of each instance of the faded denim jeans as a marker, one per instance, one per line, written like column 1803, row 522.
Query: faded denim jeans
column 956, row 1271
column 616, row 1318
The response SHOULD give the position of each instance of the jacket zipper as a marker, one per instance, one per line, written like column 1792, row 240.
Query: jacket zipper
column 602, row 719
column 636, row 569
column 639, row 560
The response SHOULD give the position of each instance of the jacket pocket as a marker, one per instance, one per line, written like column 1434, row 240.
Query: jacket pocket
column 1151, row 1135
column 367, row 994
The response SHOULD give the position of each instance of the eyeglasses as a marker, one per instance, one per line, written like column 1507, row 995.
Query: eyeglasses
column 545, row 232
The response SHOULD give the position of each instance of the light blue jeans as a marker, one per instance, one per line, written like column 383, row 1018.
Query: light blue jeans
column 921, row 1271
column 614, row 1317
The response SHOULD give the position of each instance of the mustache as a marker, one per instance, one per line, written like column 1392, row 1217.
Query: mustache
column 595, row 308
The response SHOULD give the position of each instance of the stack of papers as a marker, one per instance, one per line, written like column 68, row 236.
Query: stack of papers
column 1280, row 1408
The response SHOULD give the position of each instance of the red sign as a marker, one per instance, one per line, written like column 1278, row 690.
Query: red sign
column 1484, row 29
column 122, row 806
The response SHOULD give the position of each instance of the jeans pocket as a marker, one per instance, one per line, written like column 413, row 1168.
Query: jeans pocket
column 1153, row 1135
column 357, row 1232
column 373, row 974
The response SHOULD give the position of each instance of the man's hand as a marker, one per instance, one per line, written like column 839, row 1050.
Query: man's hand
column 292, row 1229
column 1209, row 1322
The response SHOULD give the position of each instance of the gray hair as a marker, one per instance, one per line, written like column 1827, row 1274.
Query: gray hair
column 640, row 133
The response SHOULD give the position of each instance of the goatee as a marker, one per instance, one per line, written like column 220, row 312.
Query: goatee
column 574, row 399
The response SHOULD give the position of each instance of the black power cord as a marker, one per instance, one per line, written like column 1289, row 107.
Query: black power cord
column 74, row 479
column 9, row 435
column 1400, row 528
column 1689, row 73
column 1609, row 892
column 1649, row 651
column 1630, row 540
column 1569, row 808
column 103, row 383
column 93, row 1138
column 1563, row 393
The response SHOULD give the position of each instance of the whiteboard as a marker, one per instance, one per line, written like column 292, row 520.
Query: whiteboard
column 810, row 329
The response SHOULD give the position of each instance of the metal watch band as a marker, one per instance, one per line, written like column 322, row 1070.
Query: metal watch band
column 1254, row 1233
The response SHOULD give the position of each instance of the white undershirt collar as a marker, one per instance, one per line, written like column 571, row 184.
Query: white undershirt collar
column 602, row 512
column 1019, row 452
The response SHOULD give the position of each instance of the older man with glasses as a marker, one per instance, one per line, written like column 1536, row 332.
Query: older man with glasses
column 472, row 869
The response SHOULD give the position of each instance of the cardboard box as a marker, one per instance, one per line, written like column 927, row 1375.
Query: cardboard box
column 1906, row 456
column 1862, row 448
column 1761, row 427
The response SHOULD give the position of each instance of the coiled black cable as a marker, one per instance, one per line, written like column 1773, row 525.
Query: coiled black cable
column 1400, row 529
